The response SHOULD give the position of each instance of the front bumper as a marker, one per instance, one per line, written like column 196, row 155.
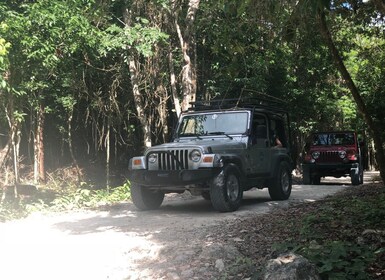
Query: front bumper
column 331, row 169
column 172, row 178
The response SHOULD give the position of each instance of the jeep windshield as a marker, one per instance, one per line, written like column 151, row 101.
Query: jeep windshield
column 218, row 123
column 333, row 139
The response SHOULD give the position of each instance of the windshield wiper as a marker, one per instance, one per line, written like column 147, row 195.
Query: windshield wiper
column 219, row 133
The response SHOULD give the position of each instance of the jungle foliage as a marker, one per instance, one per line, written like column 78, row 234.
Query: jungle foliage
column 85, row 84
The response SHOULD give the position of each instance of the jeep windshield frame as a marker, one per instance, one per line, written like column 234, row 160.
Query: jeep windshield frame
column 333, row 139
column 218, row 123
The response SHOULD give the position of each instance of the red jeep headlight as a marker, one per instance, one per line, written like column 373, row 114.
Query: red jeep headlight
column 342, row 154
column 315, row 155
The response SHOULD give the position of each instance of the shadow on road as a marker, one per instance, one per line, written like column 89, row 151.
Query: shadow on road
column 191, row 211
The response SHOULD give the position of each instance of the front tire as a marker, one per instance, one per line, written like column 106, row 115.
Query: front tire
column 145, row 199
column 225, row 190
column 316, row 180
column 206, row 195
column 280, row 188
column 306, row 179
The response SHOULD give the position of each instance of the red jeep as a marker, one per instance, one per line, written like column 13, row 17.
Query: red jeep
column 334, row 154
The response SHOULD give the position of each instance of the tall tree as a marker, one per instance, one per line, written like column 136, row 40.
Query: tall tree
column 187, row 40
column 4, row 48
column 139, row 37
column 46, row 37
column 319, row 14
column 362, row 108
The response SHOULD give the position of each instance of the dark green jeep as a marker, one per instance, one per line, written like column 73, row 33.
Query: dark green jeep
column 219, row 150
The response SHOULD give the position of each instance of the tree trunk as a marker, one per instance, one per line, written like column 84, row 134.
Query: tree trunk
column 108, row 149
column 186, row 42
column 4, row 154
column 35, row 156
column 139, row 104
column 162, row 110
column 373, row 128
column 15, row 148
column 69, row 139
column 174, row 92
column 39, row 170
column 14, row 139
column 138, row 100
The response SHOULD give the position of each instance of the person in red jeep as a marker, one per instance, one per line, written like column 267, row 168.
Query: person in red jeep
column 336, row 154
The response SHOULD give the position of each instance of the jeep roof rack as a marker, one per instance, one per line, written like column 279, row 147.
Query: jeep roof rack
column 272, row 104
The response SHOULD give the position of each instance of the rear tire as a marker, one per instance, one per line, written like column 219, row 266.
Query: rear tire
column 145, row 199
column 357, row 179
column 362, row 177
column 225, row 190
column 280, row 188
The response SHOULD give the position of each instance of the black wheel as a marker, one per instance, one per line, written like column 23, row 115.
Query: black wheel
column 362, row 176
column 316, row 180
column 145, row 199
column 306, row 176
column 225, row 190
column 206, row 195
column 280, row 188
column 357, row 177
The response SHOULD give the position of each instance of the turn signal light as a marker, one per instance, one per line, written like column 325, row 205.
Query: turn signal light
column 208, row 159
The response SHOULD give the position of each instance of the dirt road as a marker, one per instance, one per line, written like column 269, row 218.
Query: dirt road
column 120, row 243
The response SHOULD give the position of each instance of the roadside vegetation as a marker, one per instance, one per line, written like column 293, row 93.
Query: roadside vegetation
column 55, row 198
column 343, row 235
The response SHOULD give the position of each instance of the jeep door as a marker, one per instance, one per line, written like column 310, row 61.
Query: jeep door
column 259, row 150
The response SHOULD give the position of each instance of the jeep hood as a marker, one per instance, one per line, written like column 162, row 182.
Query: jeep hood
column 208, row 145
column 332, row 148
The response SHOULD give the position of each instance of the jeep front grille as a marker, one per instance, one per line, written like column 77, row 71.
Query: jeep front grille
column 329, row 156
column 172, row 160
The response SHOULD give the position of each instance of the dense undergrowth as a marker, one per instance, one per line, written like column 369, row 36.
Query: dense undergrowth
column 343, row 235
column 63, row 199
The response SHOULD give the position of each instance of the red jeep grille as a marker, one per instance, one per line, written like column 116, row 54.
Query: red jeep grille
column 329, row 156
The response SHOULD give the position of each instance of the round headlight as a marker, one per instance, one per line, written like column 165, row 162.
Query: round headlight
column 342, row 154
column 152, row 158
column 195, row 155
column 315, row 155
